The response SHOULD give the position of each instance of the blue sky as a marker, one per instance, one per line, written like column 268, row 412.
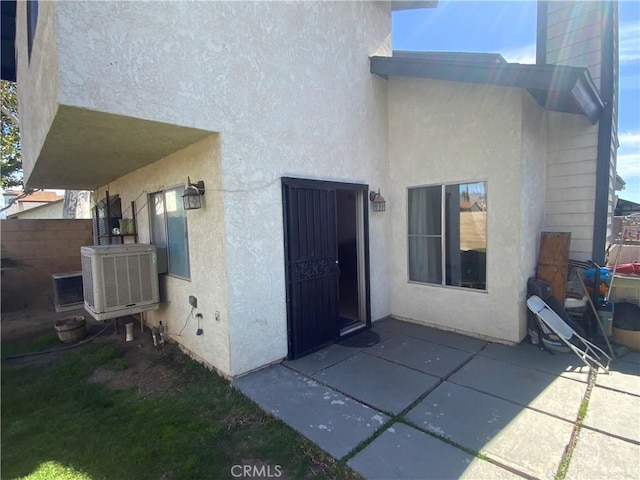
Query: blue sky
column 509, row 28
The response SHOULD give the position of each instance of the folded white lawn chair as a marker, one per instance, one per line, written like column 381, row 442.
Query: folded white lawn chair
column 591, row 355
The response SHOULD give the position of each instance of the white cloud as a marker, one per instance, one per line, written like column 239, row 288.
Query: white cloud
column 629, row 38
column 629, row 140
column 628, row 165
column 628, row 159
column 525, row 54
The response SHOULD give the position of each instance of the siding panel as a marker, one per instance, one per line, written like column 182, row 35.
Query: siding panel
column 573, row 168
column 563, row 41
column 570, row 156
column 572, row 181
column 573, row 142
column 569, row 219
column 566, row 194
column 574, row 28
column 569, row 206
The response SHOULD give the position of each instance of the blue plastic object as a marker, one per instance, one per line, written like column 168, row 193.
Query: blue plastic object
column 605, row 274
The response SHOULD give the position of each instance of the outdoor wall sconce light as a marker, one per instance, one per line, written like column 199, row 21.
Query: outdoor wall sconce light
column 378, row 201
column 192, row 193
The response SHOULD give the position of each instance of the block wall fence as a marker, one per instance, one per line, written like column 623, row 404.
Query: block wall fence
column 44, row 247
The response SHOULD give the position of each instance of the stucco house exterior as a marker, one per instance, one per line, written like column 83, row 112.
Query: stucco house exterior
column 41, row 200
column 291, row 113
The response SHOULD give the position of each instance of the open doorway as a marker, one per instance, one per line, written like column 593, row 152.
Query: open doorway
column 350, row 260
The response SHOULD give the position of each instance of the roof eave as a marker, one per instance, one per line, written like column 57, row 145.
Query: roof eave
column 556, row 88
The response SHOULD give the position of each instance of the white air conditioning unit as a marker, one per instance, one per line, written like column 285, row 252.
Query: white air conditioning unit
column 67, row 291
column 119, row 280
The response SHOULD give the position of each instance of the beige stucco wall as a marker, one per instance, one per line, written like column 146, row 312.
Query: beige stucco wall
column 448, row 132
column 38, row 80
column 316, row 112
column 532, row 195
column 288, row 88
column 206, row 231
column 205, row 64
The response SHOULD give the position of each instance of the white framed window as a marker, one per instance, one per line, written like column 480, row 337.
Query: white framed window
column 447, row 235
column 169, row 230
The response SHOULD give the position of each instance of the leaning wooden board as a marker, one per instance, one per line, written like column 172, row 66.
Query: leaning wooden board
column 553, row 261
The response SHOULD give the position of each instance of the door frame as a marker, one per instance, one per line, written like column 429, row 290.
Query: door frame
column 363, row 244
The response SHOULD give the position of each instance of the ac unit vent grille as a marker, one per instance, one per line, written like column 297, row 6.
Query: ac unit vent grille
column 110, row 281
column 87, row 280
column 134, row 279
column 145, row 266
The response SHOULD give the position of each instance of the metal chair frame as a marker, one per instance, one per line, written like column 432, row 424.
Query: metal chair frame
column 592, row 356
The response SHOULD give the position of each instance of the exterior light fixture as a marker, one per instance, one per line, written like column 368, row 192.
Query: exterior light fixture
column 378, row 201
column 192, row 193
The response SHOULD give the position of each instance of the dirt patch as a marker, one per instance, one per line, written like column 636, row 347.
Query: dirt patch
column 139, row 367
column 245, row 420
column 138, row 370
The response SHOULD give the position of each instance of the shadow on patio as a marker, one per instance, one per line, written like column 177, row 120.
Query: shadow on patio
column 423, row 403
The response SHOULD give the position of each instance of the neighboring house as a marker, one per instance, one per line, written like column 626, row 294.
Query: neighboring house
column 37, row 199
column 46, row 211
column 291, row 113
column 626, row 207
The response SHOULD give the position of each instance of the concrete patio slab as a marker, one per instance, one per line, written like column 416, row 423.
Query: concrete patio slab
column 421, row 355
column 615, row 413
column 324, row 358
column 630, row 357
column 442, row 337
column 385, row 328
column 379, row 383
column 550, row 394
column 623, row 376
column 501, row 430
column 567, row 365
column 417, row 455
column 334, row 422
column 599, row 456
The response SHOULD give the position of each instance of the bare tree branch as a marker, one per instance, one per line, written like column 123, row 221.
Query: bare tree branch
column 12, row 116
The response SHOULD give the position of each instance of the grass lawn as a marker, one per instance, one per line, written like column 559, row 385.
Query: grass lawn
column 60, row 421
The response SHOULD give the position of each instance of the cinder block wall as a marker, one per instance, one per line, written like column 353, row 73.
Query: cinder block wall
column 46, row 247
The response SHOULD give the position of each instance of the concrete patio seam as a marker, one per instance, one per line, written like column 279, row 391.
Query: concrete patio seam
column 470, row 451
column 400, row 364
column 356, row 351
column 519, row 365
column 393, row 418
column 400, row 418
column 613, row 435
column 446, row 377
column 439, row 343
column 337, row 390
column 565, row 461
column 514, row 403
column 606, row 387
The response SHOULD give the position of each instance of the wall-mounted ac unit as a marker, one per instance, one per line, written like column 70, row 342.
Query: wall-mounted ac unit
column 119, row 279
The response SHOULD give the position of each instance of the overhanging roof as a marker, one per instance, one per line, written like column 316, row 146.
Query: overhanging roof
column 555, row 87
column 8, row 26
